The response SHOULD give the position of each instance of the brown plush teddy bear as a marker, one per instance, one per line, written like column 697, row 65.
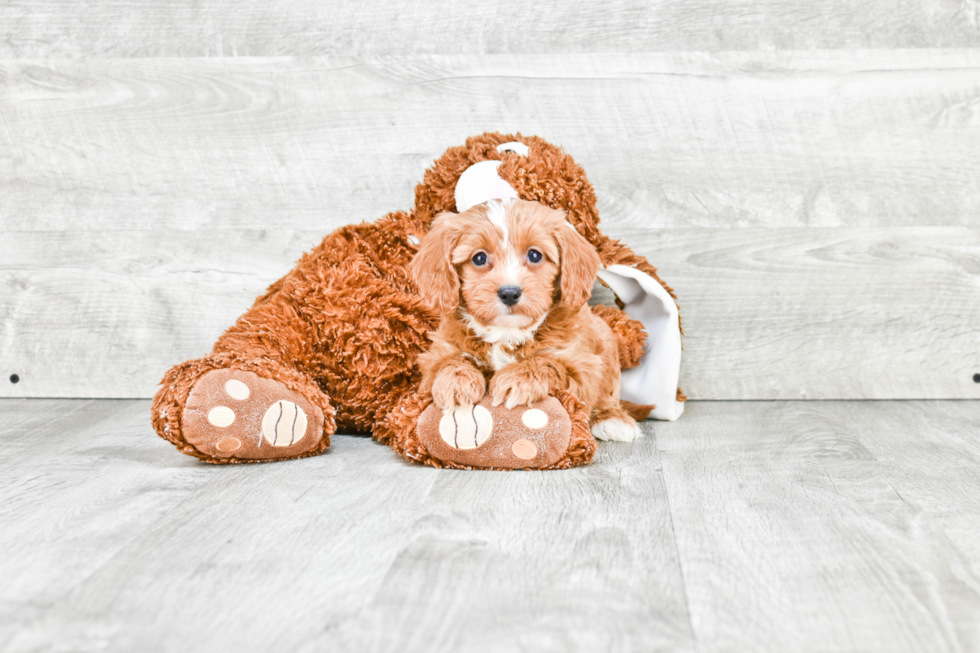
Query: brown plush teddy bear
column 334, row 343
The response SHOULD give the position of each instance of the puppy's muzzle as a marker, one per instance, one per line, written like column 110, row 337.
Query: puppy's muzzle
column 509, row 294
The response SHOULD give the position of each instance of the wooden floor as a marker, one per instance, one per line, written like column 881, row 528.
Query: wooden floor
column 745, row 526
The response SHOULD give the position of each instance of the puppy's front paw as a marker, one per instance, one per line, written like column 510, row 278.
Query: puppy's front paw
column 458, row 386
column 513, row 386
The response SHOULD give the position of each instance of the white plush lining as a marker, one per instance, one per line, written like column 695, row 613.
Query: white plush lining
column 654, row 380
column 480, row 183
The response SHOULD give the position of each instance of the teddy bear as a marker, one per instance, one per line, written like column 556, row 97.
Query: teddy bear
column 334, row 343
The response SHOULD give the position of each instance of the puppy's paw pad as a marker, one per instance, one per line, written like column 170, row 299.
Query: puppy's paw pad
column 615, row 430
column 236, row 414
column 487, row 436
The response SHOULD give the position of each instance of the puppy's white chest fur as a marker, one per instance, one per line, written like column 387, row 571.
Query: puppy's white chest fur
column 500, row 339
column 499, row 358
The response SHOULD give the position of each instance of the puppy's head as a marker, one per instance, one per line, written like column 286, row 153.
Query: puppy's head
column 505, row 262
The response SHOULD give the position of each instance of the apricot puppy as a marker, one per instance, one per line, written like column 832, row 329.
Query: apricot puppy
column 511, row 280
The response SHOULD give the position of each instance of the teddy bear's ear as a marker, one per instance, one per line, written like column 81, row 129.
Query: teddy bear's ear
column 432, row 268
column 579, row 265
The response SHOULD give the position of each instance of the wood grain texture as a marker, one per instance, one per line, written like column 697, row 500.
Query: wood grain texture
column 746, row 526
column 828, row 526
column 104, row 314
column 145, row 203
column 356, row 550
column 78, row 484
column 870, row 138
column 824, row 313
column 61, row 28
column 769, row 313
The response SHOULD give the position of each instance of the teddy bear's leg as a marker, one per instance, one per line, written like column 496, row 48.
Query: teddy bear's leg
column 553, row 434
column 250, row 399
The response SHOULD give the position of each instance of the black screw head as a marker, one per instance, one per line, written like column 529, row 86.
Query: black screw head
column 976, row 378
column 14, row 378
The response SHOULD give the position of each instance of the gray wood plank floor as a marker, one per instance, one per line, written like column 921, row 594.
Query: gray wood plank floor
column 763, row 526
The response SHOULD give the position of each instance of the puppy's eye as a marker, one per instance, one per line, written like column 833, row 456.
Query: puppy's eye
column 534, row 256
column 479, row 259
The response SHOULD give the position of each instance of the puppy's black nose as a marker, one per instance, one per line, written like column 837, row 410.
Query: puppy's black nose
column 509, row 294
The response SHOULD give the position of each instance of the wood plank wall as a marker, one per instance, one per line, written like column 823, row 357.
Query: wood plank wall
column 805, row 174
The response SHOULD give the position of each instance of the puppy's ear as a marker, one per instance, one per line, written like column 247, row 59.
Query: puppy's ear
column 579, row 264
column 432, row 267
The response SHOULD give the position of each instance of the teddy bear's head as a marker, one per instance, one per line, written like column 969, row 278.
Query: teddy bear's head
column 495, row 165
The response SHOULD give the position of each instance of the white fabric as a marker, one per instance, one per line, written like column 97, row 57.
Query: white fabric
column 514, row 146
column 654, row 380
column 480, row 183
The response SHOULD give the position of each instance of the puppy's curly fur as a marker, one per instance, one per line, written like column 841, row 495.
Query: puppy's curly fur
column 511, row 279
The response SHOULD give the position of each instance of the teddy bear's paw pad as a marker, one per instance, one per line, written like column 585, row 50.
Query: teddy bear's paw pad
column 236, row 414
column 488, row 436
column 466, row 427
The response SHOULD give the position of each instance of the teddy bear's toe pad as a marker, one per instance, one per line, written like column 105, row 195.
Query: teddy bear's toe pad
column 236, row 414
column 493, row 436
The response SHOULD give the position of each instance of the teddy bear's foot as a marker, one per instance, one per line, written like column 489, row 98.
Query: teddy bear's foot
column 488, row 436
column 234, row 415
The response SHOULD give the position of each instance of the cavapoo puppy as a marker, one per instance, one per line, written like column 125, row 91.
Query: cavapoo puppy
column 511, row 279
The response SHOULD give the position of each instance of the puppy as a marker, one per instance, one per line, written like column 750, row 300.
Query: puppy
column 511, row 279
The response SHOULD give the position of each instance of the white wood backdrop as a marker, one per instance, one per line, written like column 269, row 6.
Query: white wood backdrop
column 817, row 210
column 195, row 28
